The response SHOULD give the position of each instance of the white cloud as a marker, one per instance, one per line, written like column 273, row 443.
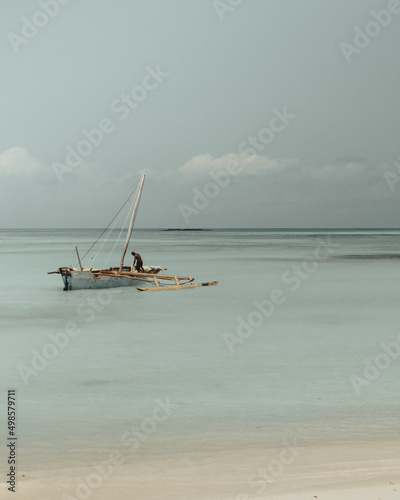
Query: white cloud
column 288, row 178
column 286, row 193
column 250, row 165
column 266, row 192
column 16, row 161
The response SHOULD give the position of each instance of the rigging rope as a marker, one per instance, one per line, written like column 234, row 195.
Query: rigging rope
column 120, row 233
column 94, row 256
column 119, row 211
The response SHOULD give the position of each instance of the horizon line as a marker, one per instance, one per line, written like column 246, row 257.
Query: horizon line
column 208, row 228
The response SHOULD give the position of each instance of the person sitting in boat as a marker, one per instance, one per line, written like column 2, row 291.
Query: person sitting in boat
column 137, row 262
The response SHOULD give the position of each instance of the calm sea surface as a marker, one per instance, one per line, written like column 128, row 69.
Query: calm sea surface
column 276, row 351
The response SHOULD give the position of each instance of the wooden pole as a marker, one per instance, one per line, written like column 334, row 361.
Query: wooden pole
column 134, row 211
column 175, row 287
column 79, row 259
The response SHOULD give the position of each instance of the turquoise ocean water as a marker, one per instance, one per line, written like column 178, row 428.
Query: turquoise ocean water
column 227, row 375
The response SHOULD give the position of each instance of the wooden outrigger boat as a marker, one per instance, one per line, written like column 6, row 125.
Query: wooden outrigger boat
column 75, row 278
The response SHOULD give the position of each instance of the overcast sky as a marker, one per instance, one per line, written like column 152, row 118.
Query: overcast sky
column 293, row 106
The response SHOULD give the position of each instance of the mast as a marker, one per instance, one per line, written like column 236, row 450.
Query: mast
column 79, row 259
column 134, row 211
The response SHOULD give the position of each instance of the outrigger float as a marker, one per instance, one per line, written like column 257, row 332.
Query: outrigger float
column 78, row 278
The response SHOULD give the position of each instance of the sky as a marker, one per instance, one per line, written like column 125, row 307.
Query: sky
column 241, row 113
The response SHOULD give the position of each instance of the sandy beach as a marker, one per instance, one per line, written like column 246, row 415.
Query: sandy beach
column 338, row 471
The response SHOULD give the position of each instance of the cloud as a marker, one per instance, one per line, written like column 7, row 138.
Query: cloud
column 268, row 192
column 265, row 192
column 288, row 179
column 16, row 161
column 32, row 196
column 203, row 164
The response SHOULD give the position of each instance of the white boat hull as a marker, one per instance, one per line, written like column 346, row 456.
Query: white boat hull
column 80, row 280
column 149, row 280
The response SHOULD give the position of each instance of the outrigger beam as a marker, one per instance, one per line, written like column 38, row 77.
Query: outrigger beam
column 175, row 287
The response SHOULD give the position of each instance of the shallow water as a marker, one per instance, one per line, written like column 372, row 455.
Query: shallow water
column 282, row 375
